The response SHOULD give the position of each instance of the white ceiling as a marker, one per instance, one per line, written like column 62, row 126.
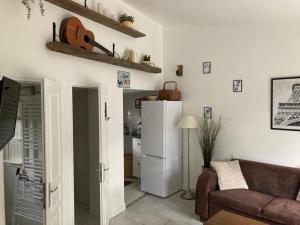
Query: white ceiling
column 219, row 12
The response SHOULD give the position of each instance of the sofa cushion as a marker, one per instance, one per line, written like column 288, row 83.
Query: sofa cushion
column 278, row 181
column 246, row 201
column 229, row 175
column 283, row 211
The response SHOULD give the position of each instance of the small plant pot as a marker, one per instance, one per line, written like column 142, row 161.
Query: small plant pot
column 147, row 63
column 127, row 24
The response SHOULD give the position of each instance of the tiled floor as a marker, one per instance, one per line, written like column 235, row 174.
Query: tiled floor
column 82, row 216
column 133, row 192
column 152, row 210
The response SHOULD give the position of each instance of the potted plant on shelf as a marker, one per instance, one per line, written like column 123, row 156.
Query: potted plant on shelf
column 126, row 20
column 207, row 134
column 147, row 60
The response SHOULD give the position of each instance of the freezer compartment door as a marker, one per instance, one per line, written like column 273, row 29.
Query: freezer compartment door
column 153, row 129
column 153, row 175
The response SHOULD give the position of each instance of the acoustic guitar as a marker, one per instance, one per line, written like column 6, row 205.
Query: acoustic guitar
column 73, row 33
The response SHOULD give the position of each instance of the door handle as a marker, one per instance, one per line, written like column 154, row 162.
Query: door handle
column 54, row 190
column 51, row 191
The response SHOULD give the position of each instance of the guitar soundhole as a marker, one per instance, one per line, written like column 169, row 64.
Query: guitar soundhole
column 86, row 38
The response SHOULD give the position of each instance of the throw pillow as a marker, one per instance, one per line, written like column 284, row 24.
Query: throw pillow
column 298, row 197
column 229, row 175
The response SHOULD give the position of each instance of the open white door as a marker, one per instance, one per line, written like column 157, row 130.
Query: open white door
column 103, row 156
column 53, row 152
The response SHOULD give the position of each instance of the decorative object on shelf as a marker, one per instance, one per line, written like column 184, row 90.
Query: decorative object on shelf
column 28, row 4
column 123, row 79
column 147, row 60
column 100, row 7
column 126, row 20
column 126, row 55
column 132, row 56
column 152, row 98
column 82, row 53
column 73, row 33
column 179, row 71
column 79, row 9
column 207, row 134
column 285, row 103
column 107, row 13
column 169, row 95
column 188, row 122
column 206, row 68
column 207, row 112
column 237, row 86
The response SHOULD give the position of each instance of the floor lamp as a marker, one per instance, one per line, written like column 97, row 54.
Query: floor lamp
column 188, row 122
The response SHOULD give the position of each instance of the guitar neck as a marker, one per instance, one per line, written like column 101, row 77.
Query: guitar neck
column 97, row 45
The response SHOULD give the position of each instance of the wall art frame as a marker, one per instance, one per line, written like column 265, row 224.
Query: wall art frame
column 285, row 103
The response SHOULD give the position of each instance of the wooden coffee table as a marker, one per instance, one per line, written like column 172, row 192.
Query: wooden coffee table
column 228, row 218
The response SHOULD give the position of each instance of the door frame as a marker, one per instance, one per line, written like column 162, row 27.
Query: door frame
column 103, row 137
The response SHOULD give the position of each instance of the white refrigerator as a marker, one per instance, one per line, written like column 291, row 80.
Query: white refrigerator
column 161, row 164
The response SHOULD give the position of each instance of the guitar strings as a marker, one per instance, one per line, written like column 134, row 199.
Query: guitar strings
column 116, row 53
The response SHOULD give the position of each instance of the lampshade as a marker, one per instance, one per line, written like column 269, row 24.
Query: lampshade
column 187, row 122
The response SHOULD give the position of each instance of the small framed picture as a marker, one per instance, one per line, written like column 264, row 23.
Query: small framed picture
column 206, row 68
column 123, row 80
column 237, row 86
column 207, row 112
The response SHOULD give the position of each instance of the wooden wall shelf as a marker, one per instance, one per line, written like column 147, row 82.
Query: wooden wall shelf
column 79, row 52
column 99, row 18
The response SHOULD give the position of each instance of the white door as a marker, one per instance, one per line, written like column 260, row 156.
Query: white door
column 53, row 152
column 153, row 129
column 103, row 154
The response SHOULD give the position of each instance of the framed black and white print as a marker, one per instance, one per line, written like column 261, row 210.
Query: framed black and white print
column 207, row 112
column 206, row 68
column 237, row 86
column 285, row 103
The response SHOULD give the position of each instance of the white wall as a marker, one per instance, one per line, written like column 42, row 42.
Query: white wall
column 253, row 54
column 23, row 54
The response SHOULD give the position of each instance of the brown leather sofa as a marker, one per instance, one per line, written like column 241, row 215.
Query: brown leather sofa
column 271, row 197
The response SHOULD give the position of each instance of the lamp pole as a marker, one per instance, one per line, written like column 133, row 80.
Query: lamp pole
column 188, row 195
column 188, row 122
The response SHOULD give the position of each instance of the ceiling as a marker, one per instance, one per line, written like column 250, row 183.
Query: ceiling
column 219, row 12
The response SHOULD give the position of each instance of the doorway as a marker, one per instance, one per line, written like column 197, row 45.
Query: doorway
column 86, row 156
column 132, row 106
column 24, row 162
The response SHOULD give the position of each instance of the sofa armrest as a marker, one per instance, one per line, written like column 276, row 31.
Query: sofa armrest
column 207, row 182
